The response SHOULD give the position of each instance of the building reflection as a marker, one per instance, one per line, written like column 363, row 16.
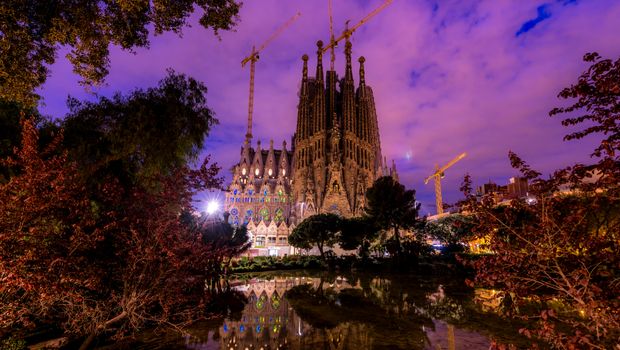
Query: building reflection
column 270, row 322
column 341, row 313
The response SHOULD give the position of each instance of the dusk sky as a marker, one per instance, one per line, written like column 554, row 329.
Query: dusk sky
column 448, row 77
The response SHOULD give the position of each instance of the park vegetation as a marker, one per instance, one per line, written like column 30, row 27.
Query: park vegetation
column 389, row 225
column 561, row 253
column 98, row 235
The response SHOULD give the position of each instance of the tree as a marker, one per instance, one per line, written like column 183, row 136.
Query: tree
column 47, row 233
column 226, row 241
column 391, row 207
column 562, row 251
column 452, row 231
column 598, row 97
column 320, row 230
column 33, row 31
column 134, row 137
column 92, row 267
column 357, row 232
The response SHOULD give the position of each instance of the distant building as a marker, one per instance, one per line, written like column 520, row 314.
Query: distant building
column 335, row 156
column 517, row 187
column 486, row 189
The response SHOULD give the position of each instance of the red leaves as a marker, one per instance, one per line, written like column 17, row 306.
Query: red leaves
column 43, row 217
column 68, row 256
column 598, row 98
column 526, row 332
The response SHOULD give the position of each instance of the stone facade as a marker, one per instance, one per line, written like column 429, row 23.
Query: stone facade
column 335, row 157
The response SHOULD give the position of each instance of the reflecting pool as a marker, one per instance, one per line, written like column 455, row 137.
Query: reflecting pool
column 303, row 310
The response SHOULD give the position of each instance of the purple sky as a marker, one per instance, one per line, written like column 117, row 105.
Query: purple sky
column 448, row 77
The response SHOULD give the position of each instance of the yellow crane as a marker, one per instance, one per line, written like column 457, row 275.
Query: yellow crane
column 252, row 58
column 346, row 34
column 437, row 175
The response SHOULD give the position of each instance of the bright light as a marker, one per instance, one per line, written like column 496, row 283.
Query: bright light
column 212, row 207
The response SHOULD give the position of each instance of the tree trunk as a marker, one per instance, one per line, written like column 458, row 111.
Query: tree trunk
column 102, row 328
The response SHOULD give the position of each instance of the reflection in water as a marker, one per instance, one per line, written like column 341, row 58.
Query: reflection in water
column 350, row 312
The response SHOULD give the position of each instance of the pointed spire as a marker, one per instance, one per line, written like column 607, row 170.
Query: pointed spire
column 385, row 167
column 361, row 60
column 349, row 70
column 302, row 112
column 304, row 78
column 319, row 61
column 305, row 70
column 393, row 172
column 245, row 153
column 348, row 97
column 363, row 113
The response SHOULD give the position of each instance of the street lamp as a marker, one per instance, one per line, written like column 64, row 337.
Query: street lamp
column 212, row 207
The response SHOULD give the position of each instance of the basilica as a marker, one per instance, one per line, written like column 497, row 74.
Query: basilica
column 334, row 156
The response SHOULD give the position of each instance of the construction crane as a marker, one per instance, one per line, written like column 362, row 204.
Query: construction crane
column 252, row 58
column 346, row 34
column 437, row 175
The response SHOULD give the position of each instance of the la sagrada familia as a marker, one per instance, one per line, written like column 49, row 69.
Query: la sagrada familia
column 335, row 156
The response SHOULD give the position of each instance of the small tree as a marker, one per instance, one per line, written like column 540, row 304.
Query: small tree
column 452, row 231
column 319, row 230
column 224, row 240
column 391, row 207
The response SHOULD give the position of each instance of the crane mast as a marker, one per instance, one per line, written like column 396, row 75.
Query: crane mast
column 332, row 57
column 252, row 58
column 437, row 175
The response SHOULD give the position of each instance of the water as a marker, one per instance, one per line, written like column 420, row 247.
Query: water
column 302, row 310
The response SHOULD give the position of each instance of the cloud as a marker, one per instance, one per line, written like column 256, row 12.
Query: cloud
column 448, row 77
column 543, row 14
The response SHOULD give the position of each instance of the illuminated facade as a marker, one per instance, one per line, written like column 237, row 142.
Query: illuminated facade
column 335, row 156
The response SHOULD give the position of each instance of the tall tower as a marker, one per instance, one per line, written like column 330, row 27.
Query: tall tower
column 337, row 147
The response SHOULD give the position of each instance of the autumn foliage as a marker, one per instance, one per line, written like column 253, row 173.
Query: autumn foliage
column 111, row 266
column 557, row 260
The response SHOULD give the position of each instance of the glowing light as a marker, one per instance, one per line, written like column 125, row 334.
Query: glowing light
column 256, row 172
column 212, row 207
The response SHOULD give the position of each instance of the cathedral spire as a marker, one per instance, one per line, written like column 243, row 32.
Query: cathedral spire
column 318, row 107
column 304, row 77
column 349, row 70
column 302, row 108
column 363, row 113
column 319, row 62
column 361, row 60
column 393, row 172
column 348, row 97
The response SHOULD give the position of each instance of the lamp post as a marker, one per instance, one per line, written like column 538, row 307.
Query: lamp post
column 212, row 207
